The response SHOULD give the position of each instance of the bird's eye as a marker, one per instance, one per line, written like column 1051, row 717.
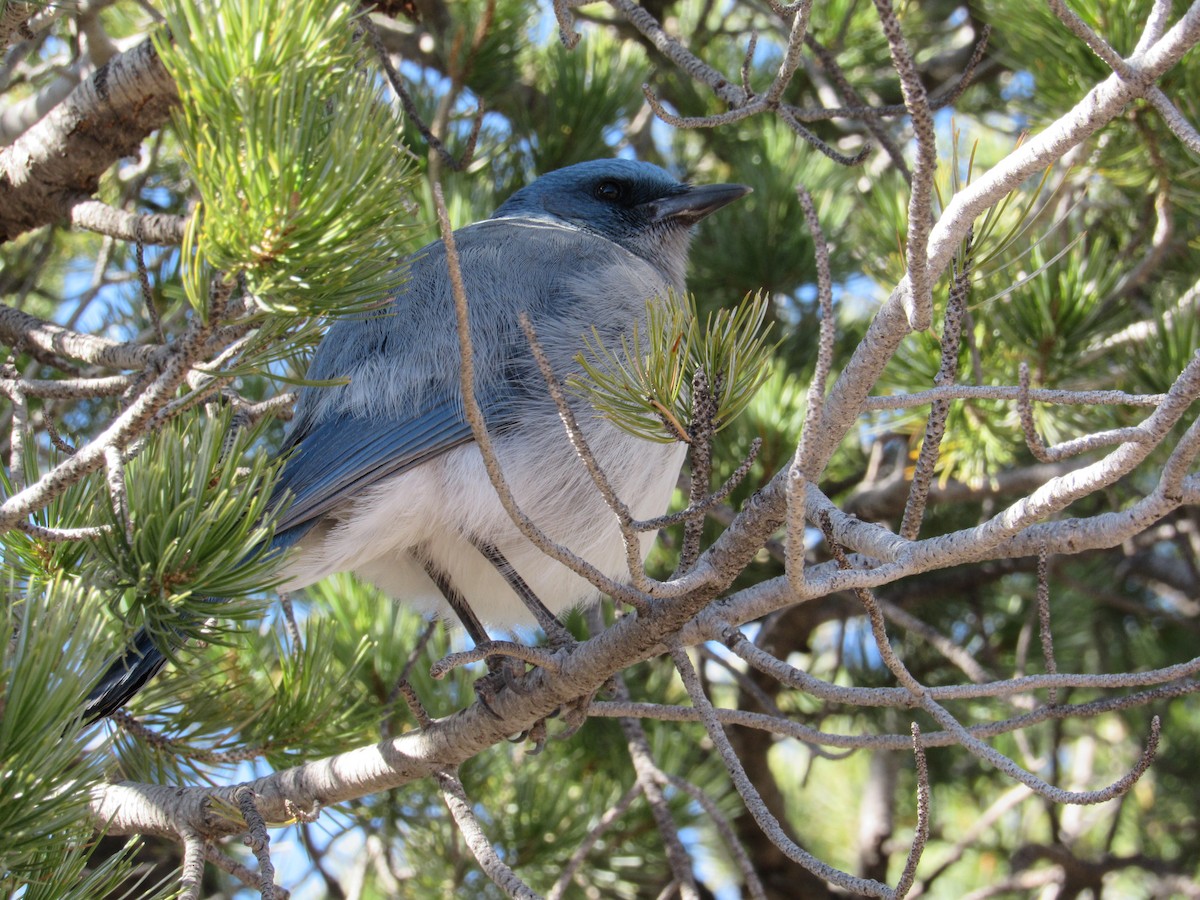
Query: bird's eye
column 609, row 191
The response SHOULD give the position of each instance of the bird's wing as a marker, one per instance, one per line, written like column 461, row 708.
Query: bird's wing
column 346, row 454
column 382, row 426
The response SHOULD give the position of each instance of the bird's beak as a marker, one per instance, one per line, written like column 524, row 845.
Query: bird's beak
column 695, row 203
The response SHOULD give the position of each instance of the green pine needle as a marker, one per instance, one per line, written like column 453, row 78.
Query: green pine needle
column 50, row 655
column 197, row 527
column 645, row 386
column 304, row 188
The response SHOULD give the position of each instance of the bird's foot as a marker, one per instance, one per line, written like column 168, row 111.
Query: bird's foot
column 573, row 714
column 506, row 671
column 503, row 672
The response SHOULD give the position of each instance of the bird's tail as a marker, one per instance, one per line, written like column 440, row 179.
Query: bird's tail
column 127, row 674
column 141, row 660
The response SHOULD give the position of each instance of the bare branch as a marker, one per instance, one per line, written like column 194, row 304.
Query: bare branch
column 122, row 429
column 533, row 656
column 935, row 427
column 718, row 819
column 921, row 837
column 1007, row 393
column 157, row 228
column 64, row 155
column 649, row 778
column 632, row 541
column 754, row 803
column 605, row 823
column 673, row 50
column 49, row 343
column 192, row 877
column 243, row 874
column 566, row 24
column 257, row 840
column 919, row 297
column 410, row 108
column 796, row 493
column 468, row 826
column 1044, row 632
column 897, row 742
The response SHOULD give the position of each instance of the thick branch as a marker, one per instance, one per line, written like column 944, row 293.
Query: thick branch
column 64, row 155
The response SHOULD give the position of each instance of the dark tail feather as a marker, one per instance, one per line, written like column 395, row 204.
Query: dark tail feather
column 141, row 661
column 124, row 678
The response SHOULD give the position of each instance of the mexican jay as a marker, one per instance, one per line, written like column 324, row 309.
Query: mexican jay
column 384, row 477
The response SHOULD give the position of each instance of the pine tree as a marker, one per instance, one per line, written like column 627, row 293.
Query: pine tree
column 970, row 260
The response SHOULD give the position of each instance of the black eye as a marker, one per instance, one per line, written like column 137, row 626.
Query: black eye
column 609, row 191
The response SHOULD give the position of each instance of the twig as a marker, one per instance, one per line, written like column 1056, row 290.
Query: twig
column 629, row 536
column 62, row 535
column 1152, row 33
column 791, row 53
column 468, row 826
column 921, row 837
column 799, row 470
column 402, row 687
column 935, row 426
column 1183, row 455
column 919, row 299
column 841, row 159
column 748, row 63
column 1043, row 607
column 258, row 840
column 973, row 745
column 415, row 706
column 192, row 876
column 1070, row 448
column 114, row 464
column 49, row 343
column 154, row 228
column 871, row 117
column 242, row 873
column 899, row 742
column 648, row 779
column 566, row 24
column 121, row 430
column 875, row 350
column 700, row 443
column 410, row 108
column 584, row 847
column 1007, row 801
column 534, row 656
column 479, row 429
column 293, row 630
column 164, row 744
column 678, row 54
column 76, row 388
column 725, row 829
column 1010, row 393
column 953, row 651
column 144, row 281
column 10, row 383
column 712, row 500
column 753, row 801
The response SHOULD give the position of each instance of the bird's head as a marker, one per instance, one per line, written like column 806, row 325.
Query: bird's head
column 634, row 204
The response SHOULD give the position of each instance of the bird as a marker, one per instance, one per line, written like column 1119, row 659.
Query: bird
column 381, row 473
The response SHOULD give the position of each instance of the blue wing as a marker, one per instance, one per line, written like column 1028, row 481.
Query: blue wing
column 342, row 456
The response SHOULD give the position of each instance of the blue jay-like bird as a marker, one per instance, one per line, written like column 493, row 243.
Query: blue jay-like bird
column 384, row 477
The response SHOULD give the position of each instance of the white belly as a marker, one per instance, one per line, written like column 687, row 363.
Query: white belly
column 432, row 513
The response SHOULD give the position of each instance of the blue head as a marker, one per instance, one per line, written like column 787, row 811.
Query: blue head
column 634, row 204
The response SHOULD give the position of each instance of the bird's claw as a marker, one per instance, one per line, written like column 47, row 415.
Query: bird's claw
column 506, row 672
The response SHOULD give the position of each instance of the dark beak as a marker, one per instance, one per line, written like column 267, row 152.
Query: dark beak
column 695, row 203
